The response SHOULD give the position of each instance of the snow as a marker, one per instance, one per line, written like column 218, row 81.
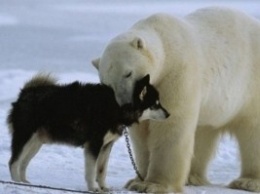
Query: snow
column 62, row 37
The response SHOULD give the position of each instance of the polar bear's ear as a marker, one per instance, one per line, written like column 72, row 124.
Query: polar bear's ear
column 138, row 43
column 95, row 63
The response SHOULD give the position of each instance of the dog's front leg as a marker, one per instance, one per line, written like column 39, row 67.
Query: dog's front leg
column 90, row 171
column 102, row 163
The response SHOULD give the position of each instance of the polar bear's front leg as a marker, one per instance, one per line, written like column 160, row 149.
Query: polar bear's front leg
column 139, row 135
column 171, row 151
column 248, row 134
column 205, row 144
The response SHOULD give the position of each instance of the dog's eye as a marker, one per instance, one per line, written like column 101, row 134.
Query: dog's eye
column 128, row 75
column 155, row 106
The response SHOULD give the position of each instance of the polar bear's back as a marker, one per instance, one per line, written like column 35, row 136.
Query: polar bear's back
column 219, row 15
column 223, row 22
column 229, row 45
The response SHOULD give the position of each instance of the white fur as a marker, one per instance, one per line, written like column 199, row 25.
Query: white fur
column 102, row 163
column 157, row 114
column 206, row 67
column 90, row 172
column 18, row 168
column 96, row 168
column 110, row 137
column 102, row 160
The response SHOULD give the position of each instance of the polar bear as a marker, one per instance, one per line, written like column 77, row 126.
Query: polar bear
column 206, row 67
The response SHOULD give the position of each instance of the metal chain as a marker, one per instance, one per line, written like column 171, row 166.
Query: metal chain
column 60, row 189
column 44, row 187
column 131, row 155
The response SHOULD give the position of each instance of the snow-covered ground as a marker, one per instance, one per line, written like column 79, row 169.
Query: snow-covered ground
column 62, row 37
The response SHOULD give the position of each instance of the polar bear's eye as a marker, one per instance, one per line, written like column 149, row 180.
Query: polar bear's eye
column 128, row 75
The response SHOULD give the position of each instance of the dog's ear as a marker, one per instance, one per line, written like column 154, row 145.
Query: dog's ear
column 141, row 88
column 145, row 82
column 143, row 93
column 146, row 79
column 95, row 63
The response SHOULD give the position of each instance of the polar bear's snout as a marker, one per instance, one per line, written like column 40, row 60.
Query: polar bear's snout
column 123, row 94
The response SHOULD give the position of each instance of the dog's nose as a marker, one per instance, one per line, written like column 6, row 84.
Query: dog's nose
column 166, row 114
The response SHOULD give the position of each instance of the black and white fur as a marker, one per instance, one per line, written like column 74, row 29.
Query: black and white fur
column 77, row 114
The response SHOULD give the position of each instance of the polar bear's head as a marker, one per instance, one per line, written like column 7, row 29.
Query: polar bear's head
column 125, row 60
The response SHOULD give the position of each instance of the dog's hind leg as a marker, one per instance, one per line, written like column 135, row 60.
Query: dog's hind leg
column 32, row 147
column 90, row 171
column 102, row 163
column 19, row 149
column 13, row 167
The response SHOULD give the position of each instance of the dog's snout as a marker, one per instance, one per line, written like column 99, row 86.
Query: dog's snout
column 167, row 114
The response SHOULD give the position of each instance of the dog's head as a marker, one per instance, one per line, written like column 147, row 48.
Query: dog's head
column 146, row 103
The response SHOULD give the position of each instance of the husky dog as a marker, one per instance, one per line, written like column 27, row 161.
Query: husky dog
column 77, row 114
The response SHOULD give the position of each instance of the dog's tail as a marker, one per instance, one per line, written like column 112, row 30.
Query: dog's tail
column 41, row 79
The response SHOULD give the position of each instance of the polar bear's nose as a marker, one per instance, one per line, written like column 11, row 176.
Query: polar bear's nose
column 122, row 99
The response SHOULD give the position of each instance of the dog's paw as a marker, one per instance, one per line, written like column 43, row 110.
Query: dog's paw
column 25, row 181
column 197, row 180
column 97, row 189
column 246, row 184
column 148, row 187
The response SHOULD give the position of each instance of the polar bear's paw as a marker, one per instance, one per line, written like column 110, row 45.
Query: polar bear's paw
column 132, row 181
column 246, row 184
column 148, row 187
column 197, row 180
